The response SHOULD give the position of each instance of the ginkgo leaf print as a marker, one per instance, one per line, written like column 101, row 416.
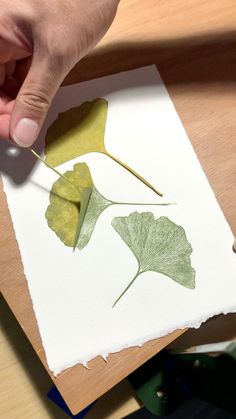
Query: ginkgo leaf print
column 159, row 245
column 64, row 211
column 80, row 131
column 97, row 205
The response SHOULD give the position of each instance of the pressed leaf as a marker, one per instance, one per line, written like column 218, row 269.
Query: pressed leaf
column 159, row 245
column 68, row 203
column 79, row 131
column 75, row 206
column 76, row 132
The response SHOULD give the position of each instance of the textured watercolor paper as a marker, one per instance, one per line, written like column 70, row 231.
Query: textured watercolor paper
column 73, row 292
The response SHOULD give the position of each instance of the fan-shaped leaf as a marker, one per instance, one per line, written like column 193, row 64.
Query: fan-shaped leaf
column 76, row 132
column 66, row 203
column 64, row 210
column 79, row 131
column 159, row 245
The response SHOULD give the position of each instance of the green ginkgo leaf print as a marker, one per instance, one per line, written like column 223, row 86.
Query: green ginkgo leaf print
column 97, row 205
column 80, row 131
column 159, row 245
column 66, row 203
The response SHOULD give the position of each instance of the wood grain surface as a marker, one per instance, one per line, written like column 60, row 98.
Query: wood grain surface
column 193, row 44
column 24, row 382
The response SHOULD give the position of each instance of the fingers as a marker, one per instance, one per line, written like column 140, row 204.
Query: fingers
column 6, row 106
column 5, row 126
column 34, row 100
column 11, row 32
column 6, row 72
column 11, row 52
column 5, row 100
column 15, row 76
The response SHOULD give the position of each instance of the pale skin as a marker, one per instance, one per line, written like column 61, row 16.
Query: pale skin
column 40, row 42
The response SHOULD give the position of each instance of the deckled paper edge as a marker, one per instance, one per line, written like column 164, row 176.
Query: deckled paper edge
column 153, row 336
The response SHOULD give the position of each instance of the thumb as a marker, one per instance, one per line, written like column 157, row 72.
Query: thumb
column 34, row 100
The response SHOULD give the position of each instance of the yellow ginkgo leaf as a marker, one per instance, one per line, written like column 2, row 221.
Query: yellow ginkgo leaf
column 76, row 132
column 68, row 203
column 80, row 131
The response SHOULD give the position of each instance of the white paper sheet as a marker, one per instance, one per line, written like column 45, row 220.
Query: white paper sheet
column 73, row 293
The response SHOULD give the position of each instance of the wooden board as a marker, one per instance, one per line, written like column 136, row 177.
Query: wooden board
column 194, row 46
column 24, row 381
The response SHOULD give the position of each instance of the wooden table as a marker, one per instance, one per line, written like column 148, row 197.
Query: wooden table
column 193, row 43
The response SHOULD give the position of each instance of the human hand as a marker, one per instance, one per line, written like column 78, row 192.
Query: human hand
column 40, row 42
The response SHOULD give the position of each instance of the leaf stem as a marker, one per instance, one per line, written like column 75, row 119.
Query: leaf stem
column 54, row 170
column 134, row 173
column 165, row 204
column 126, row 289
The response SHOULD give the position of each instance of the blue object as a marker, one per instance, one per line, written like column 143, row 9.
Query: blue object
column 57, row 398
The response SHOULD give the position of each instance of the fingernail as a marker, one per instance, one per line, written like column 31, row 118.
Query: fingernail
column 26, row 132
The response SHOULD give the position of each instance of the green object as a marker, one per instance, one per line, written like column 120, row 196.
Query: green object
column 75, row 206
column 149, row 385
column 84, row 203
column 97, row 205
column 79, row 131
column 231, row 350
column 166, row 381
column 159, row 245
